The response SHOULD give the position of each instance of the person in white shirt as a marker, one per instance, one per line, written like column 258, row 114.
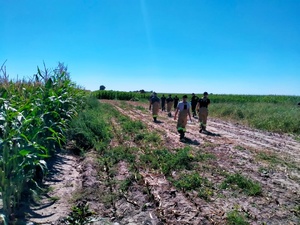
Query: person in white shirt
column 183, row 111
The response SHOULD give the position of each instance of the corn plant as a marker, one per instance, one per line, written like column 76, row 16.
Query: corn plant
column 33, row 120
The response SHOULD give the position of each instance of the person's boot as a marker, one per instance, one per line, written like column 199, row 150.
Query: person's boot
column 181, row 134
column 201, row 128
column 155, row 119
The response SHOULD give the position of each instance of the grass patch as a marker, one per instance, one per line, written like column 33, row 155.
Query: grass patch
column 240, row 148
column 204, row 156
column 141, row 108
column 130, row 126
column 270, row 116
column 275, row 160
column 90, row 129
column 167, row 161
column 296, row 210
column 125, row 184
column 149, row 139
column 245, row 184
column 272, row 158
column 119, row 153
column 193, row 181
column 236, row 218
column 80, row 214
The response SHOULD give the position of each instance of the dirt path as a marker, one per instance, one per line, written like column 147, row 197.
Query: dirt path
column 62, row 182
column 239, row 149
column 270, row 159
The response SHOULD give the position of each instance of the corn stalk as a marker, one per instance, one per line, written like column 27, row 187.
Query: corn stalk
column 33, row 120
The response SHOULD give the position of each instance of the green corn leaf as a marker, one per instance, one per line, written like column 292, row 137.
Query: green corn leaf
column 44, row 155
column 24, row 152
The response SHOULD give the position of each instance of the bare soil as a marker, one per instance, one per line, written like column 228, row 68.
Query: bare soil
column 153, row 199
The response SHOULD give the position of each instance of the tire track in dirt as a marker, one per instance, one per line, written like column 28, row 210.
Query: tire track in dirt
column 132, row 206
column 280, row 191
column 172, row 207
column 254, row 138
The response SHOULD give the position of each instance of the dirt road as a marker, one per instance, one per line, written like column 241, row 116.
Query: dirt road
column 268, row 158
column 271, row 159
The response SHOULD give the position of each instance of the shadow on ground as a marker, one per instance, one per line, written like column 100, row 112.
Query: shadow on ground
column 210, row 133
column 28, row 206
column 189, row 141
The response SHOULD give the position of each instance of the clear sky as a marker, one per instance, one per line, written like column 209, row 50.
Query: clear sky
column 182, row 46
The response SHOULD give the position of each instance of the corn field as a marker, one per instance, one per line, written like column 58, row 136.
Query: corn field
column 121, row 95
column 215, row 98
column 34, row 115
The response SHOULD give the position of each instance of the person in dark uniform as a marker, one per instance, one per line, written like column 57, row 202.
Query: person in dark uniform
column 183, row 111
column 169, row 105
column 194, row 102
column 202, row 106
column 176, row 100
column 163, row 103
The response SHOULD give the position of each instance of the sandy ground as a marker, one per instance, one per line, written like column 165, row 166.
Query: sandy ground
column 156, row 201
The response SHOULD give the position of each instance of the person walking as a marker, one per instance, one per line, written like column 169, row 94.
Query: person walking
column 169, row 105
column 194, row 102
column 150, row 100
column 202, row 108
column 155, row 103
column 163, row 103
column 183, row 111
column 176, row 100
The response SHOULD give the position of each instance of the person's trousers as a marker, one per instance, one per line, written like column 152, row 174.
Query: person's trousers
column 203, row 113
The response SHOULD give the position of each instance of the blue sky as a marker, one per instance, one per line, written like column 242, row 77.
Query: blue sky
column 182, row 46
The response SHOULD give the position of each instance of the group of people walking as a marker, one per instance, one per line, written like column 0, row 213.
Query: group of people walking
column 170, row 102
column 182, row 109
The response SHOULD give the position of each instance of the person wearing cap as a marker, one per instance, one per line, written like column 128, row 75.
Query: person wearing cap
column 169, row 105
column 183, row 111
column 155, row 103
column 194, row 102
column 202, row 106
